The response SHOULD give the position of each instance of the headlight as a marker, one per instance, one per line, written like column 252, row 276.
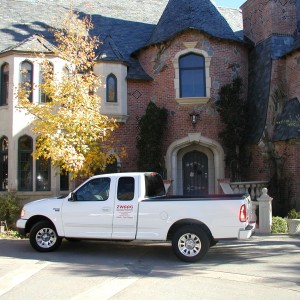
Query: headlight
column 22, row 213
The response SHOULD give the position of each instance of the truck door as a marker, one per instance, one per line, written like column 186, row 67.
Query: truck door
column 126, row 207
column 89, row 213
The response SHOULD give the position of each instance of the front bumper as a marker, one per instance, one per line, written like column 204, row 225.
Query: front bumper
column 247, row 232
column 21, row 226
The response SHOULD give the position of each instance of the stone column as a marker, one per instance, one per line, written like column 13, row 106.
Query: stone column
column 265, row 212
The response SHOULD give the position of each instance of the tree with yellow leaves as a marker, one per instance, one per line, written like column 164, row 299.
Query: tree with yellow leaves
column 71, row 130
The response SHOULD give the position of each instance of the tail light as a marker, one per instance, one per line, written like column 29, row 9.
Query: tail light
column 243, row 213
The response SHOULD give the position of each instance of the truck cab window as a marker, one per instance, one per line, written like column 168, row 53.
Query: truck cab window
column 154, row 185
column 126, row 188
column 94, row 190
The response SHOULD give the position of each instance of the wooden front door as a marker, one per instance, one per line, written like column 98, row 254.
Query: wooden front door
column 195, row 174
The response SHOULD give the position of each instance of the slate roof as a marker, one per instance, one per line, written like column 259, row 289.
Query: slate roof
column 294, row 47
column 34, row 43
column 288, row 123
column 259, row 81
column 181, row 15
column 130, row 25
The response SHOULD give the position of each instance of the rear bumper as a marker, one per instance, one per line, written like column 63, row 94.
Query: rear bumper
column 247, row 232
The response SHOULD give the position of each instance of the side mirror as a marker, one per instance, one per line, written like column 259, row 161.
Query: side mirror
column 73, row 197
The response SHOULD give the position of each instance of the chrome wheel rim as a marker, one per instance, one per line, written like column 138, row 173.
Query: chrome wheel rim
column 189, row 244
column 46, row 238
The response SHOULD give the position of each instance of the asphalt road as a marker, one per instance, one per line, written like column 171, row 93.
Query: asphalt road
column 264, row 267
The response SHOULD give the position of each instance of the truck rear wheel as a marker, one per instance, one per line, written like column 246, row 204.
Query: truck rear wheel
column 190, row 243
column 43, row 237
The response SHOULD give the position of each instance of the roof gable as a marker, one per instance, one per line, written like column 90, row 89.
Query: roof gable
column 108, row 51
column 34, row 43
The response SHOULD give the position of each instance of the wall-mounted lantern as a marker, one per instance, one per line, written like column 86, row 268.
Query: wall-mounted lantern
column 194, row 117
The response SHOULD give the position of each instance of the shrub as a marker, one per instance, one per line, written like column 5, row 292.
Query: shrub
column 279, row 225
column 293, row 214
column 10, row 207
column 152, row 127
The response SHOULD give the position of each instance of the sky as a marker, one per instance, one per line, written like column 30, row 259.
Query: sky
column 229, row 3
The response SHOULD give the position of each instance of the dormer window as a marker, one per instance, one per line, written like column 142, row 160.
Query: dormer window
column 192, row 75
column 111, row 88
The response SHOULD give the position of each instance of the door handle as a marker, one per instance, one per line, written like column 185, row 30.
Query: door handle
column 105, row 209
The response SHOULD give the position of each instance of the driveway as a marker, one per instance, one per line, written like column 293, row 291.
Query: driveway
column 264, row 267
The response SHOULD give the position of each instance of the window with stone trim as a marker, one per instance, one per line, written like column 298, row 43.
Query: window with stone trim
column 25, row 163
column 111, row 88
column 4, row 163
column 192, row 75
column 4, row 84
column 192, row 81
column 26, row 76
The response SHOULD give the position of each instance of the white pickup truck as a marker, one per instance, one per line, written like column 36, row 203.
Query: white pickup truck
column 134, row 206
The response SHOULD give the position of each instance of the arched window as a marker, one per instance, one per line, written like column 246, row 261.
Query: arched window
column 192, row 75
column 26, row 76
column 111, row 88
column 4, row 163
column 25, row 148
column 4, row 84
column 44, row 98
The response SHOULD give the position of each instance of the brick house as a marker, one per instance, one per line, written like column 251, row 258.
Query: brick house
column 153, row 52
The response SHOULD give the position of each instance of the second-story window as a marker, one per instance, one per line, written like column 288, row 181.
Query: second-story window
column 26, row 76
column 44, row 97
column 192, row 75
column 111, row 88
column 4, row 84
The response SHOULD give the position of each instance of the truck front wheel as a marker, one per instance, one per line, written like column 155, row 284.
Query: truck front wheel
column 43, row 237
column 190, row 243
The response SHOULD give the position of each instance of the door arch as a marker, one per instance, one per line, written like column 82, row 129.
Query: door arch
column 195, row 141
column 195, row 173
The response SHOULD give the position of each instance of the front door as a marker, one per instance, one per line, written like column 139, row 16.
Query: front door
column 90, row 214
column 195, row 173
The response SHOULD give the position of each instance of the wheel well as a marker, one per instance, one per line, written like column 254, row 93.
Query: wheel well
column 33, row 220
column 185, row 222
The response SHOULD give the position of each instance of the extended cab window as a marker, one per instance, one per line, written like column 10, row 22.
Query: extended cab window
column 126, row 188
column 95, row 190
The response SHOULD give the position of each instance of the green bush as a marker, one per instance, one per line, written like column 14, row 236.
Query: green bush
column 279, row 225
column 10, row 206
column 293, row 214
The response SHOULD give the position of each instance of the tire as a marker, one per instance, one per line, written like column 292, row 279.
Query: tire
column 43, row 237
column 190, row 243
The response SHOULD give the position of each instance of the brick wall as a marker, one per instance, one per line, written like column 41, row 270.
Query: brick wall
column 228, row 60
column 263, row 18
